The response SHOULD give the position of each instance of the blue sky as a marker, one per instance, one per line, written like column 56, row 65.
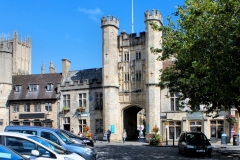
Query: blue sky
column 72, row 28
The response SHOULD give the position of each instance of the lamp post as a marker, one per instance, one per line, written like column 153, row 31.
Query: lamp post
column 58, row 109
column 166, row 135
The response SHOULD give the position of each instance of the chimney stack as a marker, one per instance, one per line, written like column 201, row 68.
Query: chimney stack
column 65, row 67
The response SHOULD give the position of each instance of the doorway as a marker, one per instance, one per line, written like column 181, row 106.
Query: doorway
column 130, row 122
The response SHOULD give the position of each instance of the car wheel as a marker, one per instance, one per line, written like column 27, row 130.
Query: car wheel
column 185, row 152
column 210, row 155
column 179, row 151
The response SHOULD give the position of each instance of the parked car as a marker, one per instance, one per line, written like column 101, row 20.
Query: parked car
column 9, row 154
column 78, row 139
column 194, row 142
column 57, row 137
column 30, row 145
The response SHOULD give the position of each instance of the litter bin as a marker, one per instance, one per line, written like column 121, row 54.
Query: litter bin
column 223, row 138
column 235, row 140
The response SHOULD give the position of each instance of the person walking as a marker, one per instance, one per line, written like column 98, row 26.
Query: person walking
column 80, row 134
column 108, row 135
column 124, row 135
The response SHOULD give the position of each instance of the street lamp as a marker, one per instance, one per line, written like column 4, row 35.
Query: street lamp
column 58, row 109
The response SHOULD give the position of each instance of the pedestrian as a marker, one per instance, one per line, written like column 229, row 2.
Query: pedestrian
column 124, row 135
column 108, row 135
column 95, row 138
column 72, row 130
column 80, row 134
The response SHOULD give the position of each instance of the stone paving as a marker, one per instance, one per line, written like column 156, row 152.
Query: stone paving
column 140, row 150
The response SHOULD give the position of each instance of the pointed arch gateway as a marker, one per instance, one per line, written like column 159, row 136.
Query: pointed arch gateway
column 133, row 116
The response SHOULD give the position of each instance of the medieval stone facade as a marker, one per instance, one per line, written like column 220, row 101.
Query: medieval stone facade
column 117, row 95
column 15, row 59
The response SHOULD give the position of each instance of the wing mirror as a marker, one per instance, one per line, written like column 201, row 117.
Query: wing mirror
column 35, row 153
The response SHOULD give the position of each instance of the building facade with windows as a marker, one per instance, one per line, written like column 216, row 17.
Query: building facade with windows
column 81, row 99
column 33, row 100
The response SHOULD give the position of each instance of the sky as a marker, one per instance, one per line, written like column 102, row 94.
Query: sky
column 71, row 29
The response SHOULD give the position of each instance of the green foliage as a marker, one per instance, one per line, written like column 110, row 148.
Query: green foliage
column 155, row 138
column 205, row 43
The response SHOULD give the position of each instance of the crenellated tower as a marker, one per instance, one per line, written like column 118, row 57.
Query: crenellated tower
column 110, row 26
column 15, row 58
column 152, row 69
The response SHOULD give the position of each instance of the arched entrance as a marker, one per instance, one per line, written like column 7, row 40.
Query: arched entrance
column 130, row 122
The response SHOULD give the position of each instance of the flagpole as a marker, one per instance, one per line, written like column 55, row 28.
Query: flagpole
column 132, row 18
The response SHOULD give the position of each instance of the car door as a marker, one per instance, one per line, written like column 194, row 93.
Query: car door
column 25, row 147
column 182, row 142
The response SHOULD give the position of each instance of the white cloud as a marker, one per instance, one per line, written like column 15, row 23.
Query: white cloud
column 94, row 14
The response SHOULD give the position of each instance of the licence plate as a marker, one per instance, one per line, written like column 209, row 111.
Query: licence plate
column 200, row 150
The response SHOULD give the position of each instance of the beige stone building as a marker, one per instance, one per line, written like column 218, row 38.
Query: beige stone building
column 34, row 101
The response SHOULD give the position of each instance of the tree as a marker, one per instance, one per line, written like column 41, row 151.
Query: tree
column 205, row 43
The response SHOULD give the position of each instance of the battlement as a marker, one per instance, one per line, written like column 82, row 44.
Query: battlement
column 5, row 46
column 110, row 21
column 85, row 83
column 154, row 15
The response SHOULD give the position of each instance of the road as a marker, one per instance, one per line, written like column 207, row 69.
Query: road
column 140, row 151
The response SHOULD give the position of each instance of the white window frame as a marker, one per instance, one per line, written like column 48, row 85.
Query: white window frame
column 82, row 99
column 66, row 100
column 37, row 107
column 82, row 124
column 15, row 107
column 26, row 107
column 48, row 107
column 175, row 125
column 49, row 87
column 174, row 101
column 33, row 87
column 18, row 88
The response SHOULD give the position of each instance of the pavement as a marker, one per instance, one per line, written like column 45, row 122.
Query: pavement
column 228, row 150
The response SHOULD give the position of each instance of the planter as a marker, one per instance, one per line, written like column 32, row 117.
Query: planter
column 80, row 109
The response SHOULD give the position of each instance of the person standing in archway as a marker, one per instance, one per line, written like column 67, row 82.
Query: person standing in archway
column 124, row 135
column 108, row 135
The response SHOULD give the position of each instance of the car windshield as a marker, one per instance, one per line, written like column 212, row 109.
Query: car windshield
column 8, row 154
column 197, row 139
column 50, row 145
column 65, row 138
column 69, row 134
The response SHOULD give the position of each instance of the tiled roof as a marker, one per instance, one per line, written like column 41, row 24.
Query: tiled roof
column 80, row 75
column 42, row 80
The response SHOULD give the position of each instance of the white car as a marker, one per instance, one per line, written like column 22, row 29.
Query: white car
column 36, row 147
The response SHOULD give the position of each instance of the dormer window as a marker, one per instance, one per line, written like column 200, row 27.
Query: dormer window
column 18, row 88
column 49, row 87
column 33, row 87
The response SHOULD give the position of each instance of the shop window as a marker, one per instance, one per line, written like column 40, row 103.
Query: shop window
column 99, row 126
column 216, row 128
column 196, row 126
column 82, row 124
column 174, row 129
